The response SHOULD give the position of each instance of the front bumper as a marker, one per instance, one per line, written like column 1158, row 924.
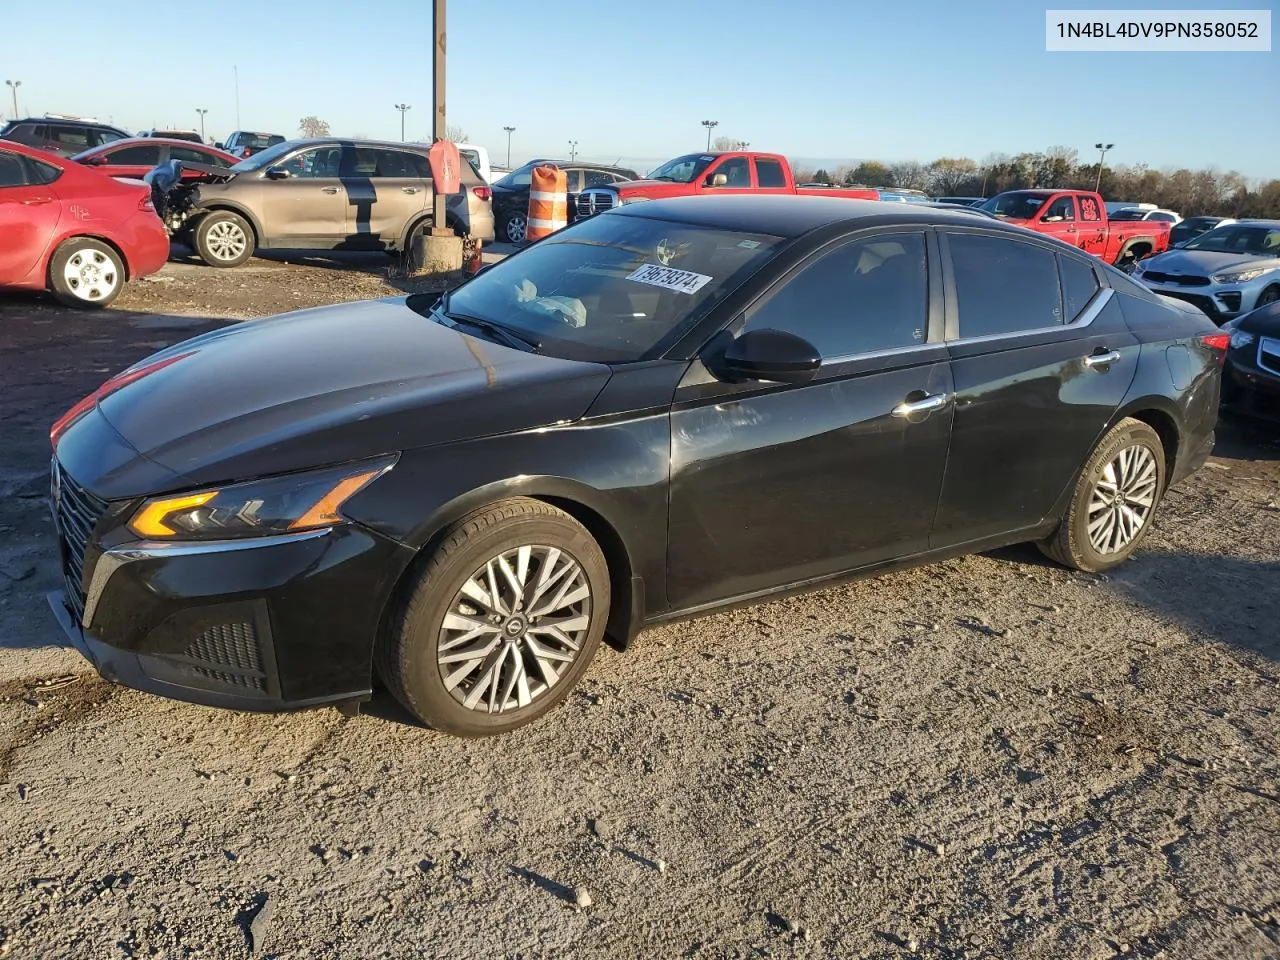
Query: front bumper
column 268, row 624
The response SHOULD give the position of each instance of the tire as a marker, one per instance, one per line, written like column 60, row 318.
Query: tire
column 84, row 272
column 515, row 228
column 1269, row 295
column 1141, row 478
column 553, row 544
column 224, row 239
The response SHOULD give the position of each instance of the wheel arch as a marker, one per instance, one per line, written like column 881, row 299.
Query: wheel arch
column 1148, row 243
column 584, row 503
column 1161, row 415
column 451, row 220
column 230, row 206
column 54, row 248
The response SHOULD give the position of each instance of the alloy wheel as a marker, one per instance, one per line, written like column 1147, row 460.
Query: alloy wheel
column 226, row 240
column 91, row 275
column 514, row 629
column 516, row 227
column 1122, row 499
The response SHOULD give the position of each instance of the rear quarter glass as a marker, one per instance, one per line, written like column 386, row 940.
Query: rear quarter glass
column 1151, row 319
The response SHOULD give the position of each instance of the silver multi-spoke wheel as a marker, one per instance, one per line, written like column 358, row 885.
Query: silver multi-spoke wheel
column 516, row 227
column 1122, row 499
column 514, row 628
column 226, row 240
column 91, row 275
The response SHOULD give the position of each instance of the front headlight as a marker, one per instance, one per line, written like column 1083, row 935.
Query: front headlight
column 1241, row 339
column 1241, row 276
column 302, row 501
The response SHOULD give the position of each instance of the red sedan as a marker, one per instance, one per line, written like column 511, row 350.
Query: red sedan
column 69, row 229
column 137, row 156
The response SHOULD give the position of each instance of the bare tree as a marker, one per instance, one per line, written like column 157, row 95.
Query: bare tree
column 725, row 143
column 946, row 174
column 455, row 133
column 313, row 127
column 910, row 174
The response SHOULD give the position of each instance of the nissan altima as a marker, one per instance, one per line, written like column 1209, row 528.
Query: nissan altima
column 653, row 414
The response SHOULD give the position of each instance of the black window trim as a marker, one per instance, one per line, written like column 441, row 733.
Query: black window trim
column 952, row 307
column 933, row 285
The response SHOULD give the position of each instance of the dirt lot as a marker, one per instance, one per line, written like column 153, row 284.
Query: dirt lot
column 990, row 757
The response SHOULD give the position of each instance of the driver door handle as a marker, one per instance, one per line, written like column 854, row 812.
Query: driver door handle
column 911, row 407
column 409, row 189
column 328, row 189
column 1102, row 359
column 32, row 201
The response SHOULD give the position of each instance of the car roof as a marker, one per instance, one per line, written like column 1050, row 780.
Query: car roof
column 165, row 141
column 34, row 153
column 788, row 216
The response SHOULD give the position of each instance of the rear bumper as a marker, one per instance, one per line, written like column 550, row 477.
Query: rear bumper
column 149, row 250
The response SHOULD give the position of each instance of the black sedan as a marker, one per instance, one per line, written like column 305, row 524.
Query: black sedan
column 511, row 192
column 673, row 407
column 1252, row 379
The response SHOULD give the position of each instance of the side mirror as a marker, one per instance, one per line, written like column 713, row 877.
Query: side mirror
column 771, row 355
column 219, row 146
column 278, row 173
column 717, row 180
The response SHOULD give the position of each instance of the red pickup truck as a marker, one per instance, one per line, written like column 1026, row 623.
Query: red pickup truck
column 1079, row 217
column 711, row 173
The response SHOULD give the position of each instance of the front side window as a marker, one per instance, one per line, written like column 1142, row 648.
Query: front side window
column 1062, row 209
column 596, row 178
column 611, row 288
column 736, row 171
column 99, row 137
column 187, row 155
column 317, row 162
column 864, row 296
column 1003, row 285
column 769, row 174
column 1015, row 205
column 73, row 139
column 138, row 156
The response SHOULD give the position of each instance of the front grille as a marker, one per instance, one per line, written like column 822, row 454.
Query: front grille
column 592, row 201
column 1269, row 355
column 229, row 653
column 1176, row 279
column 76, row 512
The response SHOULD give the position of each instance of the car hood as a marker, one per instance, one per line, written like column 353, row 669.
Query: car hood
column 335, row 384
column 1204, row 262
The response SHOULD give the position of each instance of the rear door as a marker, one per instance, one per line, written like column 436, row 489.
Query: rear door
column 1092, row 228
column 29, row 214
column 1040, row 358
column 386, row 190
column 773, row 483
column 770, row 177
column 308, row 208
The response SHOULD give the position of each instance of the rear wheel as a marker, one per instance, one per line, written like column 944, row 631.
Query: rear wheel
column 1114, row 500
column 515, row 228
column 224, row 239
column 86, row 273
column 501, row 622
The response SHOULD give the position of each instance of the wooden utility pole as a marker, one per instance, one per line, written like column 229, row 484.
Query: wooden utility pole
column 438, row 128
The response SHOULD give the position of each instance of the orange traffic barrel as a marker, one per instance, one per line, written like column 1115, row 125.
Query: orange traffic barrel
column 548, row 202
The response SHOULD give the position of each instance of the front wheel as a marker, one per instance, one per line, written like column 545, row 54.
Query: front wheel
column 1114, row 500
column 224, row 239
column 501, row 622
column 84, row 272
column 1269, row 295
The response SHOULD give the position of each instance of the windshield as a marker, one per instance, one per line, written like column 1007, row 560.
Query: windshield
column 264, row 159
column 1260, row 241
column 612, row 288
column 1015, row 205
column 683, row 169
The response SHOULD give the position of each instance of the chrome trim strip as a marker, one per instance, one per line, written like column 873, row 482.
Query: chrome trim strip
column 888, row 352
column 115, row 558
column 1087, row 316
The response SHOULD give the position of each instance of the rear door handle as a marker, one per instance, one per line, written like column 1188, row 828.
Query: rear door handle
column 409, row 189
column 35, row 200
column 328, row 189
column 909, row 408
column 1102, row 359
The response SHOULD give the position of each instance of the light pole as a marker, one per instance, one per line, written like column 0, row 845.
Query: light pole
column 710, row 125
column 202, row 111
column 402, row 107
column 1097, row 184
column 510, row 131
column 573, row 150
column 13, row 86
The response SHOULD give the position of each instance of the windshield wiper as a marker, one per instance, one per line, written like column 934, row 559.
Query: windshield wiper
column 493, row 330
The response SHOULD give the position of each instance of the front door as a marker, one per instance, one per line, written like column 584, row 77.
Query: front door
column 29, row 214
column 1058, row 219
column 307, row 208
column 735, row 171
column 773, row 484
column 1041, row 359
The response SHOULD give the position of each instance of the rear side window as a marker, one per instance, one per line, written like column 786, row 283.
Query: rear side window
column 1079, row 284
column 134, row 156
column 39, row 172
column 769, row 174
column 187, row 155
column 12, row 171
column 864, row 296
column 73, row 139
column 1089, row 210
column 99, row 137
column 22, row 133
column 1003, row 285
column 597, row 178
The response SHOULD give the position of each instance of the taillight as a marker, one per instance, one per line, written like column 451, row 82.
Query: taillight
column 484, row 193
column 1218, row 343
column 146, row 204
column 111, row 386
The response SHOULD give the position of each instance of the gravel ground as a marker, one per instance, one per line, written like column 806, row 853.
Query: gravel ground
column 988, row 757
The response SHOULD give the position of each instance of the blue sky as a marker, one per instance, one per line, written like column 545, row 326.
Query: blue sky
column 809, row 78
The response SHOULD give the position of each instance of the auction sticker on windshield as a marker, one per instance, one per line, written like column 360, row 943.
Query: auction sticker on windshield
column 669, row 278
